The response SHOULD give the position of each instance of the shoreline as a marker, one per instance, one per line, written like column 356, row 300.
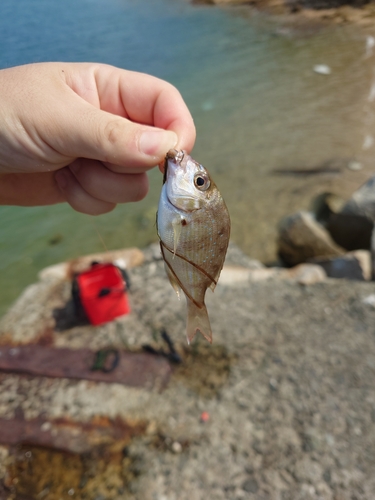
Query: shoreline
column 345, row 14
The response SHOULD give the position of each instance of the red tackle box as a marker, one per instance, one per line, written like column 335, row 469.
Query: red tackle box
column 102, row 292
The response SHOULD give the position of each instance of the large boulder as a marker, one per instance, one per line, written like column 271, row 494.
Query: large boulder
column 302, row 238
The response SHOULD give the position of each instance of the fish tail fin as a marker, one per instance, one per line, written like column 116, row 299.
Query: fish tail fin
column 197, row 319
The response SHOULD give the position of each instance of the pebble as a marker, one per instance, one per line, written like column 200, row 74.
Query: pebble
column 176, row 447
column 368, row 142
column 46, row 426
column 355, row 165
column 369, row 300
column 250, row 485
column 273, row 384
column 307, row 274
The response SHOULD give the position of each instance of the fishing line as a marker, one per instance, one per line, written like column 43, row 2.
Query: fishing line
column 98, row 233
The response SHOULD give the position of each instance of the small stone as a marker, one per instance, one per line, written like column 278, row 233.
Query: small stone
column 176, row 447
column 273, row 384
column 306, row 274
column 250, row 485
column 312, row 440
column 355, row 165
column 46, row 426
column 369, row 300
column 368, row 142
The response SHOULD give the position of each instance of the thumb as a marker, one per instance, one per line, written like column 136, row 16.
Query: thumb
column 86, row 131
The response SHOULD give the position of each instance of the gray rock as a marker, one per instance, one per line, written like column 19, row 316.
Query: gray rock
column 326, row 204
column 302, row 238
column 362, row 202
column 352, row 266
column 350, row 231
column 349, row 226
column 306, row 274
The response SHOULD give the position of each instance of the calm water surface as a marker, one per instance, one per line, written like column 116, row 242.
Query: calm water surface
column 256, row 101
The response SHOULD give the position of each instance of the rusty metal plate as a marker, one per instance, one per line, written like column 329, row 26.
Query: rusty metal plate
column 132, row 369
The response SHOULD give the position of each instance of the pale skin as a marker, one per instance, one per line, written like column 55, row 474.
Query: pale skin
column 85, row 134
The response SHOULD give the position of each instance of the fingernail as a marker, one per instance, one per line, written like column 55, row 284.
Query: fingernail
column 61, row 179
column 157, row 142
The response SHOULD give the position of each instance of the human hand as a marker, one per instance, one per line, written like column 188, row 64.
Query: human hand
column 85, row 133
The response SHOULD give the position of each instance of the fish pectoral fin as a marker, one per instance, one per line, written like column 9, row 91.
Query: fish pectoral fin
column 197, row 320
column 177, row 226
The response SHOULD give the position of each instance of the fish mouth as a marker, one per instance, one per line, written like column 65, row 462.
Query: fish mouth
column 176, row 157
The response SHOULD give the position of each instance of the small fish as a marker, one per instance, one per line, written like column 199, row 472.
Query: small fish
column 193, row 227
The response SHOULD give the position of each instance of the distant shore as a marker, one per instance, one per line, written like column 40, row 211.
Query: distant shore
column 342, row 14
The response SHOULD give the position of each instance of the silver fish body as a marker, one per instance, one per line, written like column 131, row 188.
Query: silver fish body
column 193, row 226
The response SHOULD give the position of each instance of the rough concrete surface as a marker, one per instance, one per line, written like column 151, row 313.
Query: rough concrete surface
column 281, row 406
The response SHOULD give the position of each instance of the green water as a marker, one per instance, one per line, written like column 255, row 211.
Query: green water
column 255, row 99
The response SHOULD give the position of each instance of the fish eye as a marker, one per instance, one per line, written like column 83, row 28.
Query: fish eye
column 202, row 182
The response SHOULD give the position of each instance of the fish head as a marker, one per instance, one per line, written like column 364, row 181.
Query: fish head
column 188, row 184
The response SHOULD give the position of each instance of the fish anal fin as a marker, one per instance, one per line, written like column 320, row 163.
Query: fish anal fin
column 197, row 320
column 173, row 281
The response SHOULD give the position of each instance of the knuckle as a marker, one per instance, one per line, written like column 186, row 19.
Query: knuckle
column 113, row 132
